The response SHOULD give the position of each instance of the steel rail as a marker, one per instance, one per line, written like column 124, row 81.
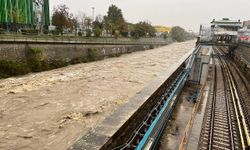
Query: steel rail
column 240, row 116
column 210, row 143
column 229, row 116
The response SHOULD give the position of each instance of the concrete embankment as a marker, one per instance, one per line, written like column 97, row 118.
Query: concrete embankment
column 20, row 58
column 66, row 52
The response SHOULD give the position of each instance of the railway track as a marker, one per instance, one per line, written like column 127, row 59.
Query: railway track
column 226, row 124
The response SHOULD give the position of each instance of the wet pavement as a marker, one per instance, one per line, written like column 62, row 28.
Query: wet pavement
column 173, row 134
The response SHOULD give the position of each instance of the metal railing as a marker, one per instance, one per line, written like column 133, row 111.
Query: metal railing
column 18, row 38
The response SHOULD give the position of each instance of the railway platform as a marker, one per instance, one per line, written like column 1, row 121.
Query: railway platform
column 196, row 129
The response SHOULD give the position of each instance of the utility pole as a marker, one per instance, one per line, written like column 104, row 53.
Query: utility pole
column 93, row 9
column 41, row 3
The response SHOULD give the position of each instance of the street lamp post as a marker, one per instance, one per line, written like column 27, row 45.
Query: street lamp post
column 93, row 9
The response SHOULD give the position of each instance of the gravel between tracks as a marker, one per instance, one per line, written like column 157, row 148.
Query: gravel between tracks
column 50, row 110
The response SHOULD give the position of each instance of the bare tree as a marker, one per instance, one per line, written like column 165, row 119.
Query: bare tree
column 60, row 17
column 88, row 22
column 73, row 23
column 99, row 18
column 81, row 17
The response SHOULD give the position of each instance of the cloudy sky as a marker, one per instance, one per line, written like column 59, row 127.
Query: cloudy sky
column 186, row 13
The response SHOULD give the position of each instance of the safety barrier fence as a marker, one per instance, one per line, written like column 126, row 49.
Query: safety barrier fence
column 80, row 40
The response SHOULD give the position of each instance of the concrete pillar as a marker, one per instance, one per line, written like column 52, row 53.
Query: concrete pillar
column 201, row 65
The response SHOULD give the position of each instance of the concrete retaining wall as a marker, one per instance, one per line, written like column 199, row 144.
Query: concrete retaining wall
column 67, row 52
column 242, row 59
column 244, row 52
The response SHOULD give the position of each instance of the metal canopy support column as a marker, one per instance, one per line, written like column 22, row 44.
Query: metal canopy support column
column 46, row 14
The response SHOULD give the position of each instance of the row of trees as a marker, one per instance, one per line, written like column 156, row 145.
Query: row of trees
column 112, row 24
column 179, row 34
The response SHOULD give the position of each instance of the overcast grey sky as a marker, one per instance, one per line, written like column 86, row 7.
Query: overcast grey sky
column 186, row 13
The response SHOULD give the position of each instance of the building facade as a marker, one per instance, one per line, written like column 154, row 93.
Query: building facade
column 247, row 24
column 24, row 13
column 225, row 30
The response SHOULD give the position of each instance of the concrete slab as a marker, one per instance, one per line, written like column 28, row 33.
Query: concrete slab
column 174, row 132
column 194, row 136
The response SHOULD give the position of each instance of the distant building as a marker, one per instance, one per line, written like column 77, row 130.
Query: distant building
column 226, row 23
column 246, row 24
column 162, row 29
column 16, row 14
column 226, row 26
column 225, row 30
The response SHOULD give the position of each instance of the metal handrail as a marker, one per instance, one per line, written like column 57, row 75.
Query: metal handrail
column 78, row 40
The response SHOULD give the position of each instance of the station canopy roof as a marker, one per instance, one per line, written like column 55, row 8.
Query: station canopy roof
column 227, row 22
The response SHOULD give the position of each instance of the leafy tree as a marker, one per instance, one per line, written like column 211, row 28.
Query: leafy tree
column 60, row 17
column 178, row 34
column 123, row 28
column 73, row 23
column 165, row 35
column 97, row 32
column 117, row 34
column 108, row 26
column 143, row 29
column 88, row 33
column 18, row 16
column 98, row 26
column 98, row 23
column 114, row 21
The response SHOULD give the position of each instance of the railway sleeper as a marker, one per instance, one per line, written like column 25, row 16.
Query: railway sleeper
column 219, row 129
column 219, row 147
column 221, row 135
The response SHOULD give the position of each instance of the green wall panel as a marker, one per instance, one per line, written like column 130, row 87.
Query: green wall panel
column 21, row 12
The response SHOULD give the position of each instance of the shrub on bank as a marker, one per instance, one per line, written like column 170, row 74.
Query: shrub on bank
column 58, row 64
column 36, row 59
column 88, row 33
column 151, row 46
column 55, row 32
column 79, row 60
column 97, row 32
column 29, row 31
column 11, row 68
column 94, row 54
column 79, row 33
column 46, row 31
